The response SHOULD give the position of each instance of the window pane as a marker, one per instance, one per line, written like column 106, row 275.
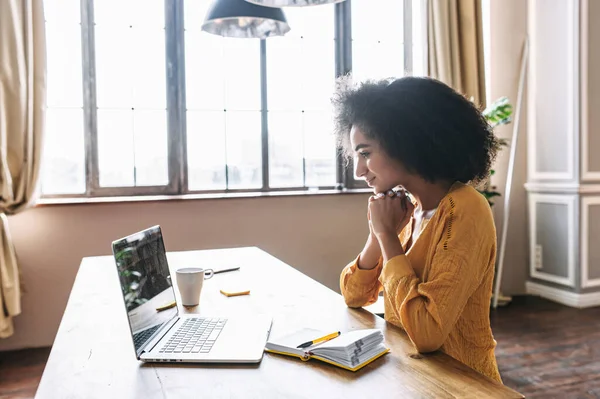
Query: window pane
column 151, row 148
column 132, row 148
column 206, row 150
column 241, row 64
column 372, row 23
column 319, row 149
column 319, row 74
column 301, row 77
column 64, row 64
column 221, row 73
column 149, row 78
column 194, row 13
column 284, row 73
column 114, row 67
column 204, row 74
column 63, row 170
column 285, row 149
column 419, row 36
column 62, row 11
column 126, row 13
column 130, row 68
column 131, row 93
column 300, row 74
column 377, row 60
column 377, row 39
column 301, row 64
column 116, row 148
column 311, row 22
column 243, row 135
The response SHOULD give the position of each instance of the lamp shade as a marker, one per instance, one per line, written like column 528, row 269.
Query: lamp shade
column 239, row 18
column 292, row 3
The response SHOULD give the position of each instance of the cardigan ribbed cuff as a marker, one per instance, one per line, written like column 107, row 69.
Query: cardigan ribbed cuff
column 365, row 276
column 396, row 268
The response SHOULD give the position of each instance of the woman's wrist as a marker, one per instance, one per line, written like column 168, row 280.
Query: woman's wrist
column 385, row 235
column 372, row 240
column 369, row 257
column 390, row 245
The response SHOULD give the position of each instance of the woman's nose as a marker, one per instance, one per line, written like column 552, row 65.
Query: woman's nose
column 360, row 167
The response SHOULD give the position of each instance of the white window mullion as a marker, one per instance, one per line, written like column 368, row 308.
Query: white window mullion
column 408, row 38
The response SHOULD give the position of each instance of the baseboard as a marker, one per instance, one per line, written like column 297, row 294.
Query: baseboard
column 564, row 297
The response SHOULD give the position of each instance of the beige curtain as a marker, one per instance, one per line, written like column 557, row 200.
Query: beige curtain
column 455, row 46
column 22, row 112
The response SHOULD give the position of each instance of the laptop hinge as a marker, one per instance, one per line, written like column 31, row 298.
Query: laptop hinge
column 151, row 343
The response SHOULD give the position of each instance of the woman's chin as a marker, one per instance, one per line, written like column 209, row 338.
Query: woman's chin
column 380, row 189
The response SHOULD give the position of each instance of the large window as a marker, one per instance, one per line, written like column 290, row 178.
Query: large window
column 141, row 101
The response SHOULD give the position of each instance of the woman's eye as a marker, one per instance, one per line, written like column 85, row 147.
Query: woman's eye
column 364, row 154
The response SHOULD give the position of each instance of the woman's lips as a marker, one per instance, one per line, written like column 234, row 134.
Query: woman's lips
column 370, row 182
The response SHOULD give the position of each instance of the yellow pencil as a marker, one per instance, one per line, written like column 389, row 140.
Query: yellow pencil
column 166, row 306
column 322, row 339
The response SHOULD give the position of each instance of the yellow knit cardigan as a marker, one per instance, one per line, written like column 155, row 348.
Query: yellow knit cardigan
column 439, row 292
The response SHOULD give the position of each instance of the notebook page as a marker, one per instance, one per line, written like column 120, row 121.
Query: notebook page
column 289, row 342
column 356, row 360
column 348, row 339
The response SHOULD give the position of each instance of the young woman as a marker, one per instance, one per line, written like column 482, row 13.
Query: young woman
column 432, row 252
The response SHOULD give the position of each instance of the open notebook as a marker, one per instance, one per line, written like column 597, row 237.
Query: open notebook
column 350, row 350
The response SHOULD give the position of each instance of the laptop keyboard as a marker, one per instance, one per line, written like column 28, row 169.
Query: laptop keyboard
column 196, row 335
column 140, row 338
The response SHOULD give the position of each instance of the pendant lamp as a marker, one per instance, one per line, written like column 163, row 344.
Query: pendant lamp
column 239, row 18
column 292, row 3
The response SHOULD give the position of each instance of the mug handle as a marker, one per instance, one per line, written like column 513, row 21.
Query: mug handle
column 208, row 273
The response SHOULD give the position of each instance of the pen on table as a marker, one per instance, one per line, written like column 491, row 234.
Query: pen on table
column 316, row 341
column 166, row 306
column 228, row 269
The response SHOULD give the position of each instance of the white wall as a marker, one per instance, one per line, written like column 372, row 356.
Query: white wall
column 508, row 29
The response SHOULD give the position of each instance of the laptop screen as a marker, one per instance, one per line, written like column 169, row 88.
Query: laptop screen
column 145, row 283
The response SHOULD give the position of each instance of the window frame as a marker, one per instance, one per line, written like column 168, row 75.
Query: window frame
column 176, row 107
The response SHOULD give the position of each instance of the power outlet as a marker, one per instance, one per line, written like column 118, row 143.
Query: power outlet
column 538, row 257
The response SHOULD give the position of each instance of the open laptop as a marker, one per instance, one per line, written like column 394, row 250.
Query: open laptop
column 165, row 335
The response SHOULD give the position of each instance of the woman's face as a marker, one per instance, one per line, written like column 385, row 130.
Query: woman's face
column 373, row 165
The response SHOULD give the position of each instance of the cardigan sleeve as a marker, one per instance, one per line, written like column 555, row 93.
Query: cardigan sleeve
column 428, row 310
column 360, row 287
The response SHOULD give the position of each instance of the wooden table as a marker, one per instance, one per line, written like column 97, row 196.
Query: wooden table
column 93, row 355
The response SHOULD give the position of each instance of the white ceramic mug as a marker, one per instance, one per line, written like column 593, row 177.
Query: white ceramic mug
column 190, row 281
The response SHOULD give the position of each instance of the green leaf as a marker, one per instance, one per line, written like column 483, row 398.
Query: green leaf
column 489, row 194
column 499, row 112
column 503, row 142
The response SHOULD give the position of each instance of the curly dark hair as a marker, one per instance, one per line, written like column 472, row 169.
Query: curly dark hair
column 431, row 129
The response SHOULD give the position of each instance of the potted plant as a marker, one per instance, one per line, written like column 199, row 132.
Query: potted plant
column 498, row 113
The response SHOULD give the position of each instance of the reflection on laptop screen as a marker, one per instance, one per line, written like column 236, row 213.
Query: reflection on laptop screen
column 145, row 282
